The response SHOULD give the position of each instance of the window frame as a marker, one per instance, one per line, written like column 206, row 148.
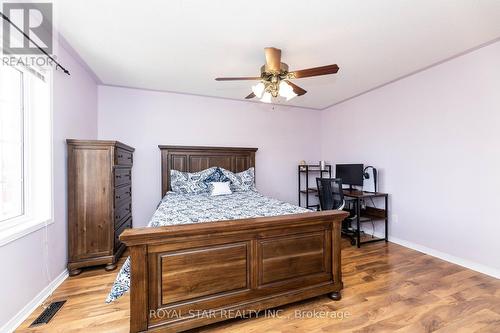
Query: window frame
column 17, row 227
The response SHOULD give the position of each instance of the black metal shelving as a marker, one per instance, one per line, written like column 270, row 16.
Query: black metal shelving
column 366, row 214
column 303, row 172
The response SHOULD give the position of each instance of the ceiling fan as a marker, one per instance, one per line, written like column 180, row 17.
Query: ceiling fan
column 274, row 78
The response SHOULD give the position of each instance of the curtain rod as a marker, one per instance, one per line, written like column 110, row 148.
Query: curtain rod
column 58, row 65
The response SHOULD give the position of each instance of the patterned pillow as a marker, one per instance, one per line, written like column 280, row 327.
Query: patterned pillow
column 190, row 183
column 241, row 181
column 216, row 176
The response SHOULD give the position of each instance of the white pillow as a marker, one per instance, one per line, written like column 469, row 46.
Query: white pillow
column 219, row 188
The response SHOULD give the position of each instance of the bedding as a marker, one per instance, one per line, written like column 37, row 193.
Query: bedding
column 195, row 182
column 185, row 208
column 216, row 176
column 241, row 181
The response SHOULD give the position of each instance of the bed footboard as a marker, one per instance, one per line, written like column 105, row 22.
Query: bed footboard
column 192, row 275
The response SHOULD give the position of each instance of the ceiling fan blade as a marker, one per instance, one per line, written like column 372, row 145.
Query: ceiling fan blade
column 296, row 89
column 252, row 95
column 237, row 78
column 316, row 71
column 273, row 58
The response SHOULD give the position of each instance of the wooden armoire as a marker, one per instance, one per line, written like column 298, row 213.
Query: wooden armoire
column 99, row 202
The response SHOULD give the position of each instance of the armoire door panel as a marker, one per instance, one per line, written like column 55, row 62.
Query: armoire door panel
column 92, row 200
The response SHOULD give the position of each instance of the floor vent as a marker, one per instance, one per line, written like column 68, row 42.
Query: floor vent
column 48, row 313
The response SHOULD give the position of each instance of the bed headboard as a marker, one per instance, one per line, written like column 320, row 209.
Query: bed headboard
column 193, row 159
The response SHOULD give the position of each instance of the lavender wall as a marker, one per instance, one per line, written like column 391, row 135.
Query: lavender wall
column 435, row 138
column 32, row 262
column 144, row 119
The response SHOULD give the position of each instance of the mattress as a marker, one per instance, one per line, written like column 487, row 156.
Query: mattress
column 175, row 209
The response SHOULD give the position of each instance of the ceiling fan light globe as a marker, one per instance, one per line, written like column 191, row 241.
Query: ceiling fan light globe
column 292, row 95
column 258, row 89
column 283, row 88
column 286, row 91
column 266, row 98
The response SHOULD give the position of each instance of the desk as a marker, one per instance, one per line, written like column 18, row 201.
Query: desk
column 368, row 214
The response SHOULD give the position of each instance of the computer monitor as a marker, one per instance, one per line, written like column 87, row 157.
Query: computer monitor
column 351, row 174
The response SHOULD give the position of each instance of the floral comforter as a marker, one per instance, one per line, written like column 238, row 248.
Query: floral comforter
column 195, row 208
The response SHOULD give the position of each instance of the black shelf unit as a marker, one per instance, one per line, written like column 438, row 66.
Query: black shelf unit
column 366, row 214
column 303, row 171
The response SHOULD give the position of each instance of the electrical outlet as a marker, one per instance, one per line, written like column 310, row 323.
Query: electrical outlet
column 394, row 218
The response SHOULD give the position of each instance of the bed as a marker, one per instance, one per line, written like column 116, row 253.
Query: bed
column 196, row 269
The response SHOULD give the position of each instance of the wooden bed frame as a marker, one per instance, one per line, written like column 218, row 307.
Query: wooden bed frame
column 186, row 276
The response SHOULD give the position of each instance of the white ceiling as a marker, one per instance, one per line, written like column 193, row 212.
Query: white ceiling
column 182, row 45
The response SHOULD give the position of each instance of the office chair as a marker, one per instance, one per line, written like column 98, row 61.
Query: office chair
column 331, row 197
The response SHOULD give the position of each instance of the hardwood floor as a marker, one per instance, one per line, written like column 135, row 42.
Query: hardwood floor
column 388, row 288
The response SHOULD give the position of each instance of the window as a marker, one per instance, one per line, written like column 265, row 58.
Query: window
column 25, row 152
column 11, row 144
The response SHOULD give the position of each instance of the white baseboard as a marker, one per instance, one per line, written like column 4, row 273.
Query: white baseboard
column 493, row 272
column 21, row 316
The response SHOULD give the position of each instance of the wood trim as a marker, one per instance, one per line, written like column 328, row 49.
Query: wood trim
column 99, row 143
column 139, row 289
column 207, row 148
column 336, row 253
column 147, row 235
column 208, row 156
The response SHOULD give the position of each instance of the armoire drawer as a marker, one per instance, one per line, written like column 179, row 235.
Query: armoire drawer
column 122, row 195
column 127, row 224
column 123, row 157
column 123, row 176
column 122, row 212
